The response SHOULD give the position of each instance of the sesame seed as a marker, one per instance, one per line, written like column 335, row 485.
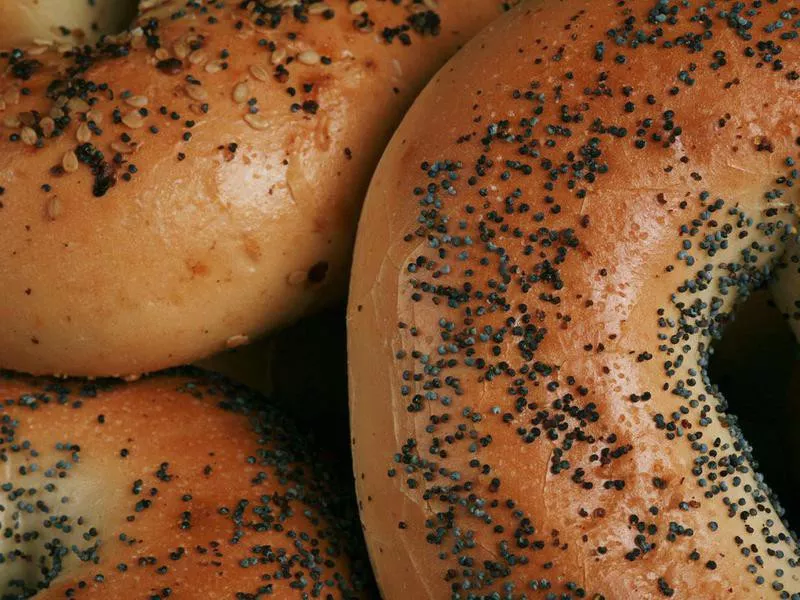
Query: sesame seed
column 53, row 208
column 308, row 57
column 133, row 119
column 77, row 105
column 83, row 134
column 256, row 121
column 358, row 7
column 69, row 161
column 48, row 126
column 237, row 340
column 198, row 57
column 136, row 101
column 259, row 72
column 180, row 49
column 318, row 8
column 215, row 66
column 28, row 136
column 278, row 56
column 95, row 115
column 196, row 92
column 123, row 148
column 241, row 92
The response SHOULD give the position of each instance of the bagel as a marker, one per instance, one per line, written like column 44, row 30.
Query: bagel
column 195, row 181
column 64, row 21
column 565, row 220
column 180, row 486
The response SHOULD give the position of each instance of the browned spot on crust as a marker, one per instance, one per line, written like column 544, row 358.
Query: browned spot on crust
column 252, row 248
column 197, row 268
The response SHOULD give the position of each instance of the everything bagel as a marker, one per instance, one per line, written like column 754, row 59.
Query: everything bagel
column 194, row 181
column 562, row 224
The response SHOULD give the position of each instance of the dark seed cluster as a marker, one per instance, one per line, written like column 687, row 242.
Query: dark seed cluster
column 498, row 236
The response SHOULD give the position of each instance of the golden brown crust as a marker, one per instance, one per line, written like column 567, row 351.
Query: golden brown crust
column 563, row 221
column 179, row 486
column 236, row 146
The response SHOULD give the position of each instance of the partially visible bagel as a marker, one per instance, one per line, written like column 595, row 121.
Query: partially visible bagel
column 189, row 184
column 561, row 227
column 64, row 21
column 180, row 486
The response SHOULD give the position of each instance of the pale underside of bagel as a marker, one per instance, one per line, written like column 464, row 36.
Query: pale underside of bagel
column 194, row 182
column 561, row 225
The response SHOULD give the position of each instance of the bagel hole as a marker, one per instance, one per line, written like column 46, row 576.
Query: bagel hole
column 756, row 367
column 124, row 19
column 128, row 11
column 110, row 18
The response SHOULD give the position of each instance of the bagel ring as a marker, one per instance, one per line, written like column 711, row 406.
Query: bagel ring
column 561, row 226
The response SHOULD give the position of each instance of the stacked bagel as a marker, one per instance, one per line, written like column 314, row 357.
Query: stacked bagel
column 194, row 181
column 174, row 184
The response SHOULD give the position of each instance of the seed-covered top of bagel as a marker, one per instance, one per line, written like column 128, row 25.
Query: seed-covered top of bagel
column 179, row 486
column 196, row 180
column 74, row 97
column 70, row 98
column 559, row 229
